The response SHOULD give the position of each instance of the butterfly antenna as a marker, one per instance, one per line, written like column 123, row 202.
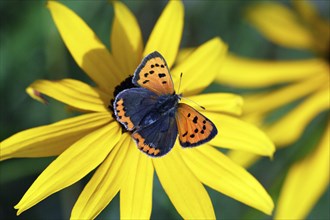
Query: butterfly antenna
column 202, row 107
column 180, row 83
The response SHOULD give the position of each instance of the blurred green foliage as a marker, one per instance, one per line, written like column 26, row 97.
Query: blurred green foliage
column 31, row 48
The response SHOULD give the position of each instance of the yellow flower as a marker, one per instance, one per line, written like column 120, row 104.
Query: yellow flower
column 94, row 140
column 304, row 81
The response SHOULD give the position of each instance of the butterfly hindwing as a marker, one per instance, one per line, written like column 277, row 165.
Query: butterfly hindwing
column 153, row 74
column 158, row 138
column 194, row 128
column 132, row 105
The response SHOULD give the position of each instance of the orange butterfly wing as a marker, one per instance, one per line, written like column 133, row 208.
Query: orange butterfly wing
column 194, row 128
column 153, row 74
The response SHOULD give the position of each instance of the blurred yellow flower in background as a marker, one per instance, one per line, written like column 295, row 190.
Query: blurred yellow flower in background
column 95, row 141
column 303, row 83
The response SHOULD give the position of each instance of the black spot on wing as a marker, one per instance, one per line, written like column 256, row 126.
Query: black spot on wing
column 161, row 75
column 195, row 119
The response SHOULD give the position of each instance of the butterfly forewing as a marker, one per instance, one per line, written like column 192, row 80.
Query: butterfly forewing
column 194, row 128
column 153, row 74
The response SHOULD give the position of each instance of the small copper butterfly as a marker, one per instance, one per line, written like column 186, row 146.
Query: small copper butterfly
column 153, row 114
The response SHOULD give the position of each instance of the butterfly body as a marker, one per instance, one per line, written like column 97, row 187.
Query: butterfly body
column 153, row 114
column 165, row 106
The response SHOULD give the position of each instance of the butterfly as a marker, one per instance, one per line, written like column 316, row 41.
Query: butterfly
column 152, row 113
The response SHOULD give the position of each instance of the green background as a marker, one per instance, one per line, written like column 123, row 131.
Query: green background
column 31, row 48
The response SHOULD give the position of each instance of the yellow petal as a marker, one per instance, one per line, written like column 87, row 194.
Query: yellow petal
column 71, row 92
column 105, row 97
column 185, row 191
column 136, row 190
column 87, row 50
column 306, row 10
column 236, row 134
column 126, row 39
column 166, row 35
column 265, row 102
column 251, row 73
column 106, row 181
column 256, row 118
column 305, row 183
column 289, row 128
column 320, row 27
column 217, row 102
column 183, row 54
column 72, row 165
column 220, row 173
column 53, row 139
column 200, row 68
column 280, row 25
column 242, row 158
